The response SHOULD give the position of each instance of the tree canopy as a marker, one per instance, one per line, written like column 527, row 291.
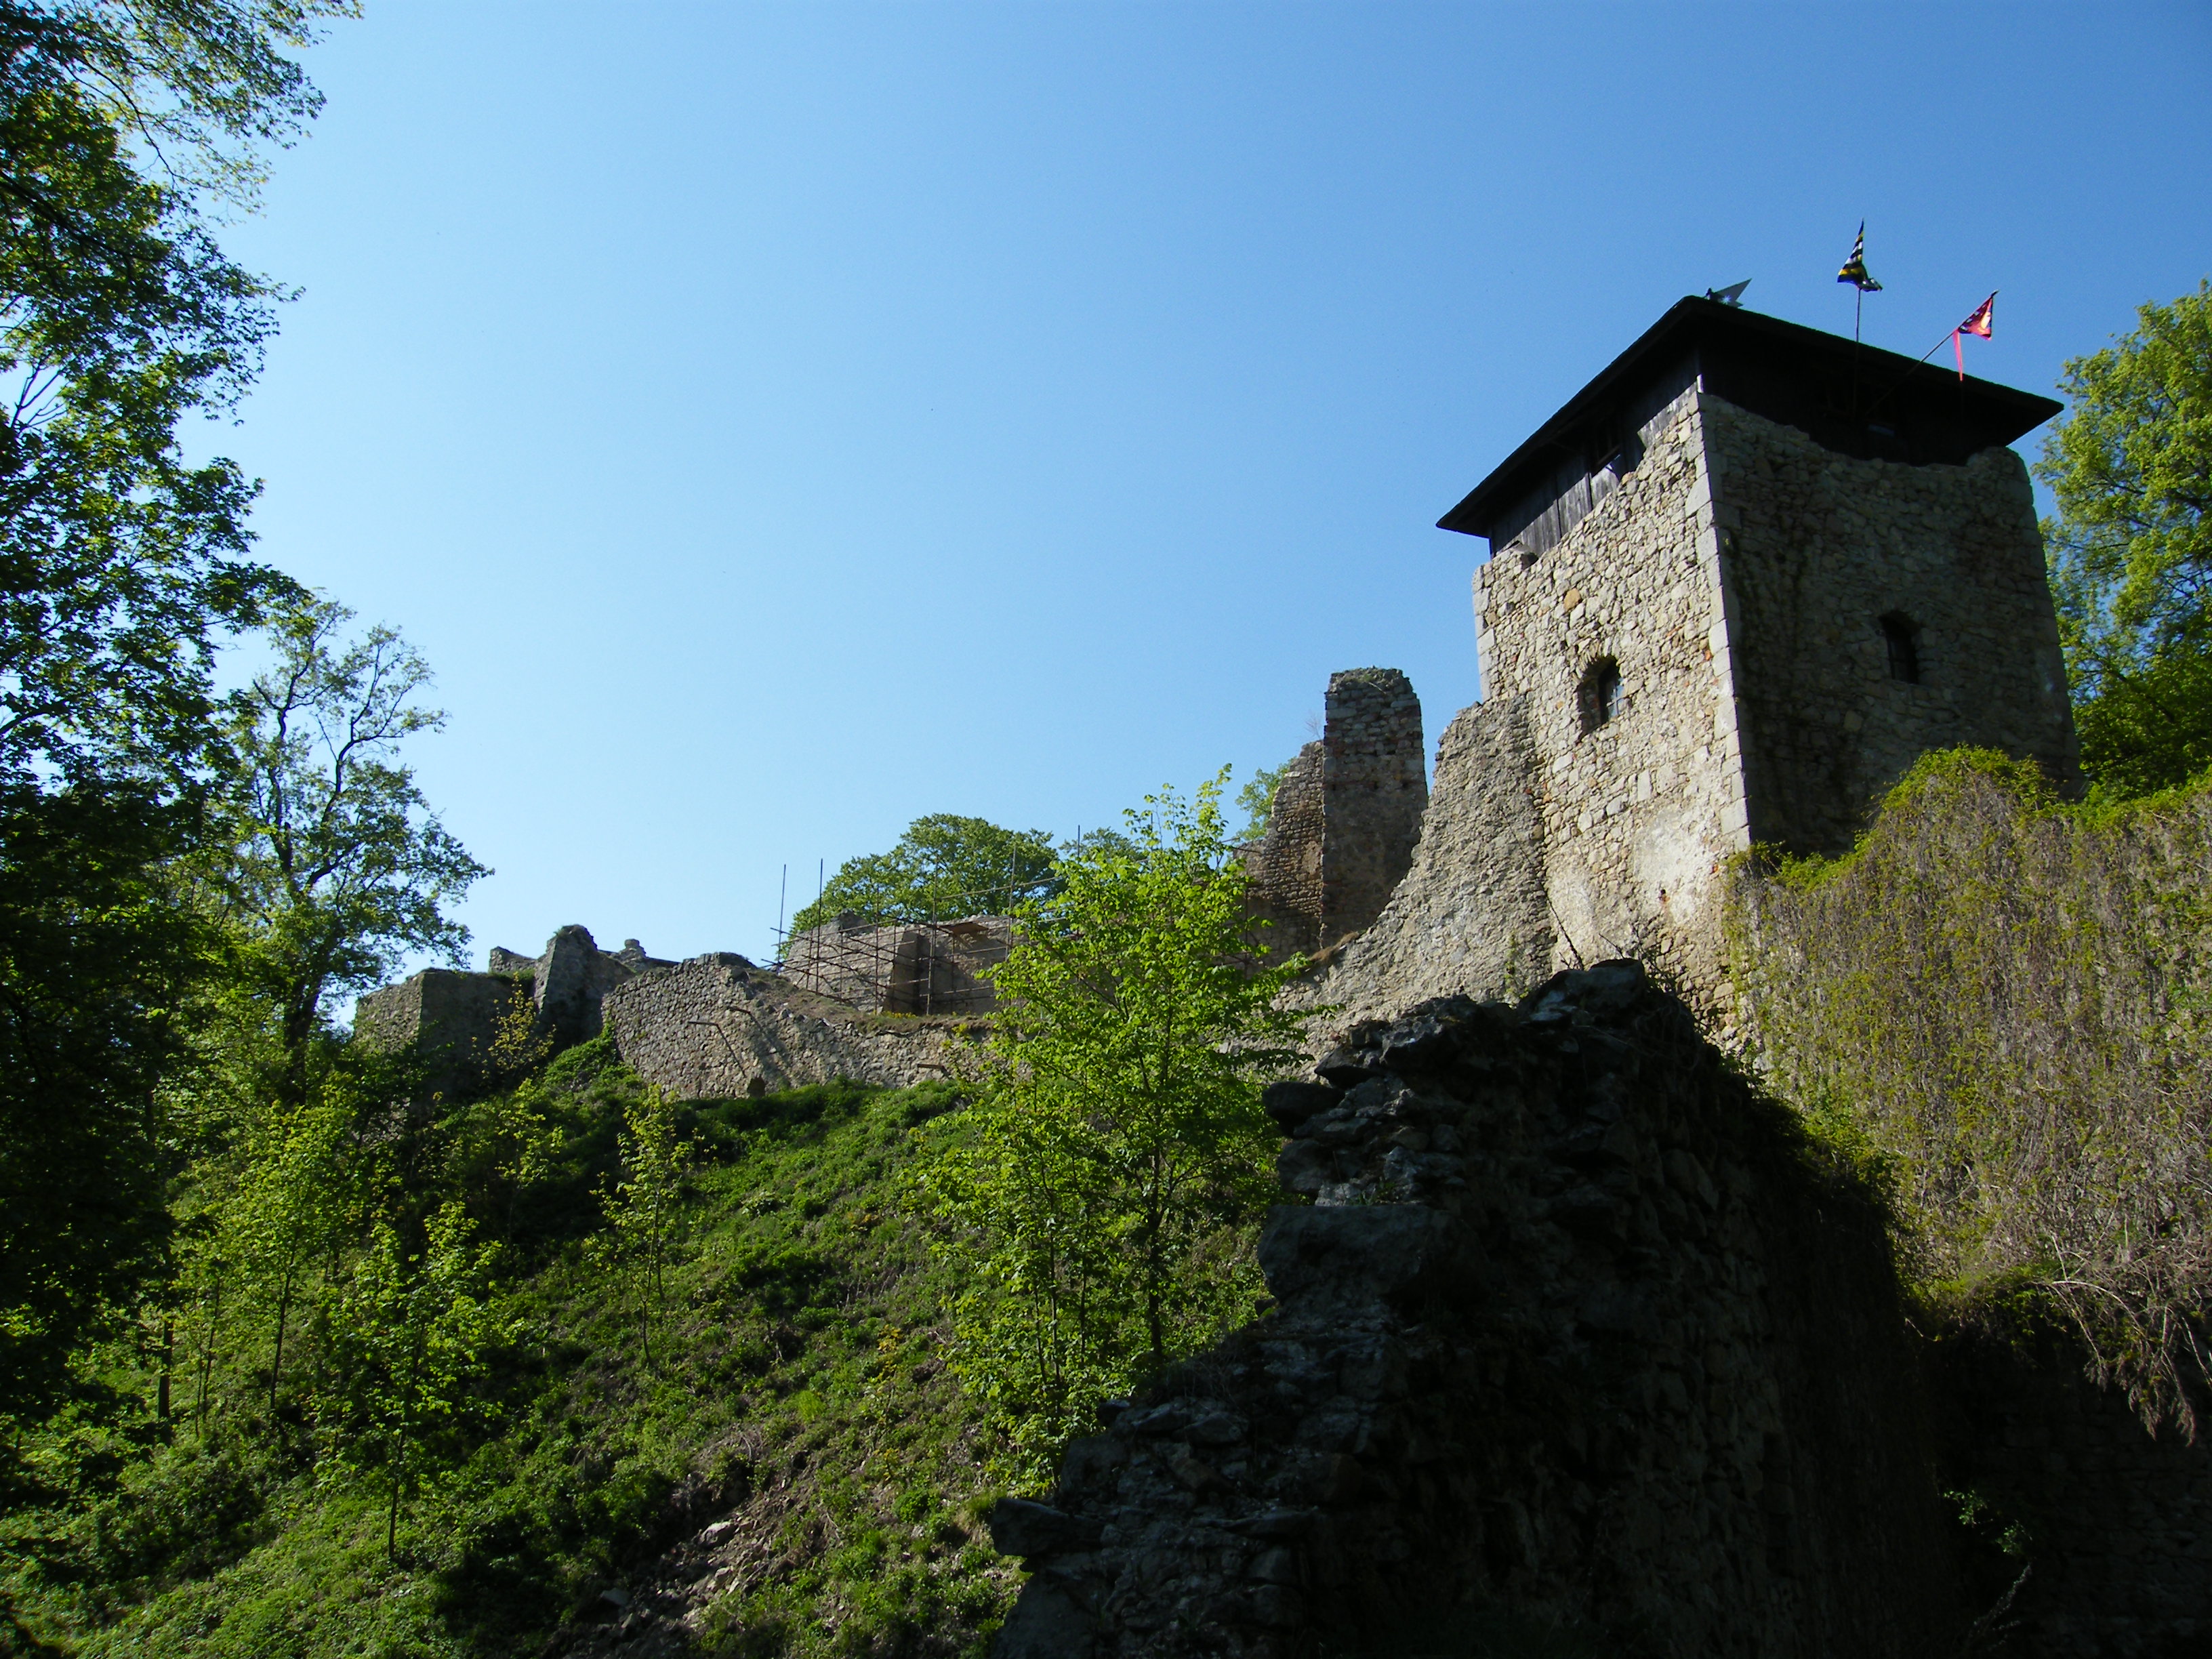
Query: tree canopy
column 2131, row 466
column 123, row 566
column 944, row 865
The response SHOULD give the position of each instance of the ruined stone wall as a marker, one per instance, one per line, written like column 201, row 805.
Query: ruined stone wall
column 1818, row 549
column 1571, row 1334
column 917, row 968
column 1638, row 813
column 1285, row 867
column 2115, row 1523
column 1470, row 914
column 1374, row 788
column 448, row 1018
column 716, row 1027
column 1576, row 1332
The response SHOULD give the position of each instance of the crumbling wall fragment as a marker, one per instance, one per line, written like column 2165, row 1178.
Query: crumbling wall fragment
column 716, row 1027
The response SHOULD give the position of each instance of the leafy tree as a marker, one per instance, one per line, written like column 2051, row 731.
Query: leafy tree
column 1099, row 1195
column 2130, row 465
column 944, row 865
column 330, row 863
column 95, row 959
column 121, row 566
column 1256, row 800
column 644, row 1207
column 413, row 1335
column 290, row 1211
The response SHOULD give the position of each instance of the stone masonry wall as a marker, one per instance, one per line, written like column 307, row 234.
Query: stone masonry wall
column 716, row 1027
column 918, row 968
column 1285, row 866
column 1571, row 1334
column 2115, row 1523
column 1470, row 915
column 1638, row 814
column 1817, row 549
column 447, row 1017
column 1373, row 789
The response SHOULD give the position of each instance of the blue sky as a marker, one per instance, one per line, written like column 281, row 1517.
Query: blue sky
column 775, row 423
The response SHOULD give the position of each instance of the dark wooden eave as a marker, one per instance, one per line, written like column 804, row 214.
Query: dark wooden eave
column 1857, row 400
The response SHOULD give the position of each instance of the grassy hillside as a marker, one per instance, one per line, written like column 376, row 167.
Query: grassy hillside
column 792, row 1474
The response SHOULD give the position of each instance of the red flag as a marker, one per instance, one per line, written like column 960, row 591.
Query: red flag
column 1983, row 322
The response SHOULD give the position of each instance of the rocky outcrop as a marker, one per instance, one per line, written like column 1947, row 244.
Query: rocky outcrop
column 1572, row 1326
column 716, row 1027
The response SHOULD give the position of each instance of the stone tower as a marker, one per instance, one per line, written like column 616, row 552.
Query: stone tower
column 1737, row 585
column 1346, row 814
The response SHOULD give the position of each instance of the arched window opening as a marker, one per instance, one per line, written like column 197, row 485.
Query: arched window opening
column 1902, row 641
column 1600, row 697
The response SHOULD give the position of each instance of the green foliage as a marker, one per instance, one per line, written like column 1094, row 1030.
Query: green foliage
column 797, row 1389
column 1100, row 1199
column 121, row 563
column 408, row 1339
column 943, row 867
column 1256, row 800
column 290, row 1209
column 95, row 959
column 2001, row 1006
column 2131, row 465
column 643, row 1208
column 328, row 862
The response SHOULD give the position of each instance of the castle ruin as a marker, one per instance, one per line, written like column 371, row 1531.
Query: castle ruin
column 1569, row 1325
column 1740, row 583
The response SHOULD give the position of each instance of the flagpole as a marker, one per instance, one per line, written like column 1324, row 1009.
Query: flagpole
column 1858, row 310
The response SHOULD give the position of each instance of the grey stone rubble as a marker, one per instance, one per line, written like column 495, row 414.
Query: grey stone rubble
column 1574, row 1326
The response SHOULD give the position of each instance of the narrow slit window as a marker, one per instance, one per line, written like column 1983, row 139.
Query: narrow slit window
column 1600, row 696
column 1902, row 641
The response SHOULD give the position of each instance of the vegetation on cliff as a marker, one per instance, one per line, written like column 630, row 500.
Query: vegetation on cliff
column 2002, row 1001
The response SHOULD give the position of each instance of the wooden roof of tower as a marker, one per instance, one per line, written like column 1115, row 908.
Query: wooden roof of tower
column 1857, row 399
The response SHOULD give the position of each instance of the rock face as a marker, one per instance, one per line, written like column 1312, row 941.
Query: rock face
column 716, row 1027
column 1570, row 1325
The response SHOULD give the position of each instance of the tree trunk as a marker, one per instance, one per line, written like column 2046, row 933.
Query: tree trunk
column 276, row 1360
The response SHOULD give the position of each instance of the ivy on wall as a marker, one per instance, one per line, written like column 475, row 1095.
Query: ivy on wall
column 2003, row 1002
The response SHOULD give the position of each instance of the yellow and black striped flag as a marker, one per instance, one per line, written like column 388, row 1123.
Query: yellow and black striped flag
column 1855, row 271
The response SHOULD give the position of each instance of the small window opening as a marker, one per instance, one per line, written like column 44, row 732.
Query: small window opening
column 1600, row 696
column 1902, row 640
